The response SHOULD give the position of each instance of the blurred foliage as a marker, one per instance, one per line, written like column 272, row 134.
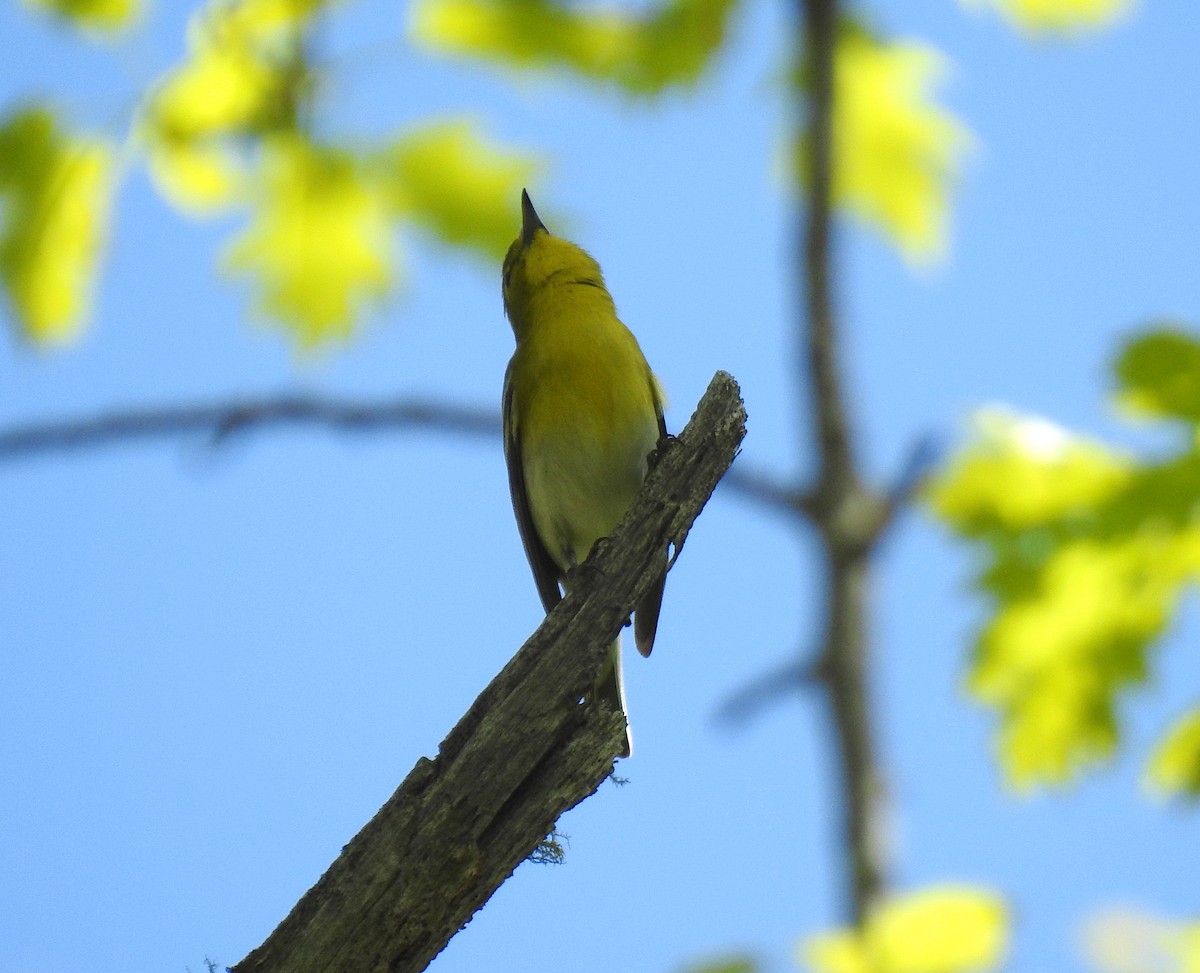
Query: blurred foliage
column 448, row 180
column 1086, row 552
column 100, row 15
column 896, row 153
column 1123, row 940
column 319, row 248
column 228, row 129
column 726, row 964
column 669, row 44
column 1056, row 16
column 220, row 131
column 1159, row 376
column 319, row 243
column 244, row 75
column 56, row 192
column 1175, row 766
column 941, row 929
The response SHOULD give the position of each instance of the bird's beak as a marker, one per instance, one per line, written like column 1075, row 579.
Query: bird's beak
column 530, row 221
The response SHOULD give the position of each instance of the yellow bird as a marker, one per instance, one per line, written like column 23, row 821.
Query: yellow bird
column 582, row 411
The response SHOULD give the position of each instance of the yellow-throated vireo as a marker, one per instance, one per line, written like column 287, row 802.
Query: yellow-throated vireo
column 582, row 412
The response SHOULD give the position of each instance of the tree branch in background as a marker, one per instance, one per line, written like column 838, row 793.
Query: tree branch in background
column 221, row 420
column 848, row 515
column 767, row 491
column 525, row 752
column 770, row 687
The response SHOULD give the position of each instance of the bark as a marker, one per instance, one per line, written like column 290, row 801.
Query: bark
column 526, row 751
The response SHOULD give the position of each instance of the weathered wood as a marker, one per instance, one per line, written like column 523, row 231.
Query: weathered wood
column 527, row 750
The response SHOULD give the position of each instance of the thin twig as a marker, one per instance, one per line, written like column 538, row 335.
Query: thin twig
column 766, row 490
column 922, row 457
column 769, row 687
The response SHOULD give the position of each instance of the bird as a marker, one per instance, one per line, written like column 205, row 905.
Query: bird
column 582, row 412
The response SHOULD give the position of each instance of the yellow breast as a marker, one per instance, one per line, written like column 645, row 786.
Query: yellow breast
column 587, row 419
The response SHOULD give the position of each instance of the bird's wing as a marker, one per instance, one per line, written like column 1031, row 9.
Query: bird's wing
column 645, row 615
column 545, row 571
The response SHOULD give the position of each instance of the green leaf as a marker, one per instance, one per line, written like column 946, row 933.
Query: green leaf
column 1086, row 553
column 56, row 191
column 448, row 180
column 102, row 15
column 1021, row 473
column 1124, row 940
column 670, row 44
column 897, row 153
column 200, row 176
column 319, row 246
column 244, row 75
column 726, row 964
column 1175, row 766
column 1159, row 375
column 941, row 929
column 1056, row 16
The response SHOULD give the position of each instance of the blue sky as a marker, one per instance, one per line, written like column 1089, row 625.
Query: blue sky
column 217, row 664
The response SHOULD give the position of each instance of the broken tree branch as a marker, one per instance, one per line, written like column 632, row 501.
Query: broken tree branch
column 526, row 751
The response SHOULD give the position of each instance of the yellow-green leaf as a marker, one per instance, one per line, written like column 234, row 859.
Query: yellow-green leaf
column 245, row 74
column 1175, row 766
column 200, row 176
column 1019, row 471
column 942, row 929
column 319, row 246
column 57, row 193
column 1188, row 947
column 1087, row 553
column 1159, row 375
column 1056, row 16
column 449, row 180
column 103, row 15
column 726, row 964
column 1123, row 940
column 667, row 45
column 219, row 89
column 1061, row 647
column 842, row 951
column 896, row 152
column 238, row 75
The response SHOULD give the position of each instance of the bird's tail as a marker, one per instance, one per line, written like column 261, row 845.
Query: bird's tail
column 611, row 686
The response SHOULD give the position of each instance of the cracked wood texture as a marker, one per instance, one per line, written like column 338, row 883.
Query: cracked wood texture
column 526, row 751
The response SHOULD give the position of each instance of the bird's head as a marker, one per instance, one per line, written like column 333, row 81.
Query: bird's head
column 538, row 264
